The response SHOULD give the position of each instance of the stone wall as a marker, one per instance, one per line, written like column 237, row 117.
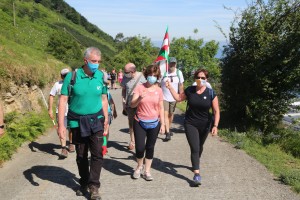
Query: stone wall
column 24, row 98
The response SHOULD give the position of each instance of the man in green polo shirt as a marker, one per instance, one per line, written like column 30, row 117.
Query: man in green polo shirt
column 88, row 119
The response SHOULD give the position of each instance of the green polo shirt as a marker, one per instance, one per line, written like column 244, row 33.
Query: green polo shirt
column 86, row 93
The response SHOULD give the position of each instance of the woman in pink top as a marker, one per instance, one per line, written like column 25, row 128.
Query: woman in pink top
column 120, row 76
column 149, row 120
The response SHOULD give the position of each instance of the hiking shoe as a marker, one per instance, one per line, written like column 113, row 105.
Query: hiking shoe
column 147, row 176
column 137, row 173
column 82, row 191
column 94, row 192
column 64, row 153
column 71, row 148
column 197, row 179
column 168, row 137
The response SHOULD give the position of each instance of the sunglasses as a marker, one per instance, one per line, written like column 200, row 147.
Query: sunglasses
column 127, row 72
column 201, row 77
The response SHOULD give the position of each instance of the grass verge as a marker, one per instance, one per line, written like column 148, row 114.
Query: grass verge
column 283, row 165
column 21, row 128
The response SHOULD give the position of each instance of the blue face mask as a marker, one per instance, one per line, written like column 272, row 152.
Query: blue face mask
column 93, row 67
column 151, row 79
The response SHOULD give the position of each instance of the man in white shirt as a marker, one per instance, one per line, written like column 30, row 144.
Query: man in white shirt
column 56, row 90
column 176, row 79
column 130, row 80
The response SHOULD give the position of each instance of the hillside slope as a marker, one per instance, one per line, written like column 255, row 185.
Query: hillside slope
column 27, row 30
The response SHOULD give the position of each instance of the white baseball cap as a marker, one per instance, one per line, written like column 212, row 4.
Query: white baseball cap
column 64, row 71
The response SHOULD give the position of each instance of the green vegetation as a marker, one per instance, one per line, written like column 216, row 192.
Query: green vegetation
column 282, row 164
column 21, row 128
column 261, row 67
column 255, row 81
column 42, row 39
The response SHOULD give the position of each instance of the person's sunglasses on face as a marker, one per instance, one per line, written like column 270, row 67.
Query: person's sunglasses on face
column 202, row 78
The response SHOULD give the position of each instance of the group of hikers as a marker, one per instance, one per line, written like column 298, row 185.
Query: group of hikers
column 149, row 98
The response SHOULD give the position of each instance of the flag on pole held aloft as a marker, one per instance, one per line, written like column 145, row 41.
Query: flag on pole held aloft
column 163, row 55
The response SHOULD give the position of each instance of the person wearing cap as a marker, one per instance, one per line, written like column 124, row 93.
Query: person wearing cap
column 176, row 79
column 88, row 120
column 56, row 90
column 131, row 79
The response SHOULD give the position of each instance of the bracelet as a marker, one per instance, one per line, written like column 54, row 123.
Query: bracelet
column 216, row 126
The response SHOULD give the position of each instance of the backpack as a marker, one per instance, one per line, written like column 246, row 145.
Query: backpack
column 177, row 74
column 71, row 85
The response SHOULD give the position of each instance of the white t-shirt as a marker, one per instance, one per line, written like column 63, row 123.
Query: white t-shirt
column 174, row 80
column 56, row 90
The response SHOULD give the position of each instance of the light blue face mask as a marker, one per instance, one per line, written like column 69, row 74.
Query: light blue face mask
column 203, row 82
column 151, row 79
column 93, row 67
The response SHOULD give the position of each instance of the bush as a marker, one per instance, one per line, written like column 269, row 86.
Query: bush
column 291, row 177
column 21, row 128
column 291, row 144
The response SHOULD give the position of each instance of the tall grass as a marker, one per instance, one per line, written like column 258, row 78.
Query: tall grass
column 21, row 128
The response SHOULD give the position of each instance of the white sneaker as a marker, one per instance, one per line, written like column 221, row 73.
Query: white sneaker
column 137, row 173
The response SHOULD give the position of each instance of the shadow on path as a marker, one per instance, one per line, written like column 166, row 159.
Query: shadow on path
column 178, row 120
column 116, row 167
column 170, row 168
column 124, row 130
column 119, row 146
column 54, row 174
column 112, row 164
column 46, row 148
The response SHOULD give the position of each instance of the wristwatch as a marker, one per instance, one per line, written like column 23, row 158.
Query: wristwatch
column 2, row 126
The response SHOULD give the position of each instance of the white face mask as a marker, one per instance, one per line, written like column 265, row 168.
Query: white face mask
column 201, row 82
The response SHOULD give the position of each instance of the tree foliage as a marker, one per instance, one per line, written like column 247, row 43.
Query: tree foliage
column 192, row 54
column 260, row 70
column 138, row 50
column 64, row 48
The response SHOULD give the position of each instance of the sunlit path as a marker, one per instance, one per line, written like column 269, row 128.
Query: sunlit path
column 36, row 173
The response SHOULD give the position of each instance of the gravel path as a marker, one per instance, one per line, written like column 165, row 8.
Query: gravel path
column 35, row 172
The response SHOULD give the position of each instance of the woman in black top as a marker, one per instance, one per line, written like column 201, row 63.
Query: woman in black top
column 197, row 117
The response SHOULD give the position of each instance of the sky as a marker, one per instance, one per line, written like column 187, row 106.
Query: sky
column 151, row 17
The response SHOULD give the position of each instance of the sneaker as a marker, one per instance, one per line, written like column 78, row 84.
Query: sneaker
column 71, row 148
column 94, row 192
column 197, row 179
column 137, row 173
column 82, row 191
column 147, row 176
column 64, row 153
column 168, row 137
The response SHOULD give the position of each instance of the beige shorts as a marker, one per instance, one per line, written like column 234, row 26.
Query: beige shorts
column 169, row 106
column 131, row 113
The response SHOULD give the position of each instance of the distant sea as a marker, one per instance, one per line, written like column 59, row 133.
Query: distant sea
column 219, row 53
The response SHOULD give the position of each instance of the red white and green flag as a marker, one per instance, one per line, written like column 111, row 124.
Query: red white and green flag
column 163, row 55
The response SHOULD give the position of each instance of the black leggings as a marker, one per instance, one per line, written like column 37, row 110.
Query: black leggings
column 140, row 135
column 196, row 136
